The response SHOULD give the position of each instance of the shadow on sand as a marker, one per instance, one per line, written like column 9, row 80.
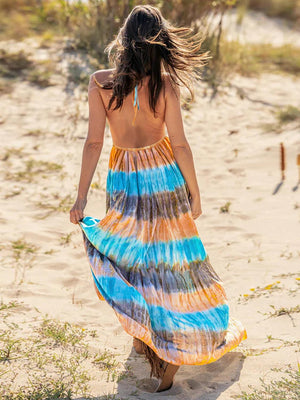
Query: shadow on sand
column 192, row 382
column 277, row 187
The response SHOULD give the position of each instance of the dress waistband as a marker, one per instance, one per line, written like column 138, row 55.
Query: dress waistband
column 141, row 148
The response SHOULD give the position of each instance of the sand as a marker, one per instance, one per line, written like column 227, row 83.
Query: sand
column 256, row 27
column 254, row 246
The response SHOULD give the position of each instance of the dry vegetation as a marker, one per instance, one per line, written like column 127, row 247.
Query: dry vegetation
column 55, row 360
column 91, row 25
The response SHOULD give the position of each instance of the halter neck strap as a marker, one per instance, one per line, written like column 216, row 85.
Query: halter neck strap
column 136, row 103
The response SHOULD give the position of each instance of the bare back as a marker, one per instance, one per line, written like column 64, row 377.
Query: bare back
column 146, row 129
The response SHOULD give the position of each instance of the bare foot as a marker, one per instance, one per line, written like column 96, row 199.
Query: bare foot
column 166, row 382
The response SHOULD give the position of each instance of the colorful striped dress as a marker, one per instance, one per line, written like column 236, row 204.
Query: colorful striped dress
column 148, row 262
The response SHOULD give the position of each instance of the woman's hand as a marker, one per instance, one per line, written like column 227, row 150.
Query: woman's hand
column 195, row 203
column 76, row 212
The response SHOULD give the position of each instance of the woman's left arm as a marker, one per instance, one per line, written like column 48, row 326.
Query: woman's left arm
column 91, row 150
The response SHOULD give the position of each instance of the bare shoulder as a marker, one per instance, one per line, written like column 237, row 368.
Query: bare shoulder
column 102, row 74
column 98, row 77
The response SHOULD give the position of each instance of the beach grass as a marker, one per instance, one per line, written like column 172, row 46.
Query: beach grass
column 62, row 333
column 284, row 116
column 12, row 64
column 34, row 169
column 57, row 203
column 23, row 255
column 283, row 311
column 35, row 133
column 21, row 247
column 252, row 59
column 107, row 362
column 228, row 57
column 19, row 65
column 287, row 387
column 288, row 114
column 259, row 291
column 12, row 152
column 46, row 358
column 66, row 239
column 225, row 207
column 287, row 9
column 40, row 77
column 9, row 305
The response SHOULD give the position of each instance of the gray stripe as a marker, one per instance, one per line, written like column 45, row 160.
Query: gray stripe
column 165, row 204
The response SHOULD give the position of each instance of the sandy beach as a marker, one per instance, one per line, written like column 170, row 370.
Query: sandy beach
column 250, row 232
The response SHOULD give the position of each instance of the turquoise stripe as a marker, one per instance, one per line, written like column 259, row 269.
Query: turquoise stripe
column 213, row 319
column 146, row 181
column 136, row 99
column 130, row 251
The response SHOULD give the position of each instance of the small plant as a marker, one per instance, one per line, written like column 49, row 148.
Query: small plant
column 12, row 152
column 21, row 247
column 107, row 362
column 34, row 133
column 24, row 254
column 12, row 193
column 63, row 333
column 260, row 291
column 283, row 311
column 33, row 169
column 62, row 204
column 12, row 64
column 8, row 306
column 66, row 239
column 8, row 344
column 273, row 127
column 288, row 114
column 286, row 343
column 225, row 208
column 39, row 77
column 46, row 39
column 49, row 252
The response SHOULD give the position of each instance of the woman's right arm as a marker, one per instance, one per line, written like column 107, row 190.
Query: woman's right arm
column 91, row 150
column 180, row 146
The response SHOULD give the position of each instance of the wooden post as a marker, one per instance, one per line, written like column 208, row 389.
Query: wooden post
column 298, row 164
column 282, row 159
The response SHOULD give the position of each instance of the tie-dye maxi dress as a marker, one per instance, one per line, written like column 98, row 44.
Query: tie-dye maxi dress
column 148, row 262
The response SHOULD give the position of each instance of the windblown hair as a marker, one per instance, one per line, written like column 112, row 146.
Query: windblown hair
column 147, row 44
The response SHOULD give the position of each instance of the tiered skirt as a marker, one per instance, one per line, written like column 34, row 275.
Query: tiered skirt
column 148, row 262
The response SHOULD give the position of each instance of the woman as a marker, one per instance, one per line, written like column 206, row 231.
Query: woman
column 146, row 257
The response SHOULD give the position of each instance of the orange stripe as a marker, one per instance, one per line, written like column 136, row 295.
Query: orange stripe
column 98, row 293
column 145, row 158
column 208, row 351
column 160, row 229
column 200, row 300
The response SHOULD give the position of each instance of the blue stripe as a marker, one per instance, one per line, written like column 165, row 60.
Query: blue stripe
column 145, row 181
column 213, row 319
column 130, row 251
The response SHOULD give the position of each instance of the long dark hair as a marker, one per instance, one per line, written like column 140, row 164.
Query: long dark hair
column 145, row 44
